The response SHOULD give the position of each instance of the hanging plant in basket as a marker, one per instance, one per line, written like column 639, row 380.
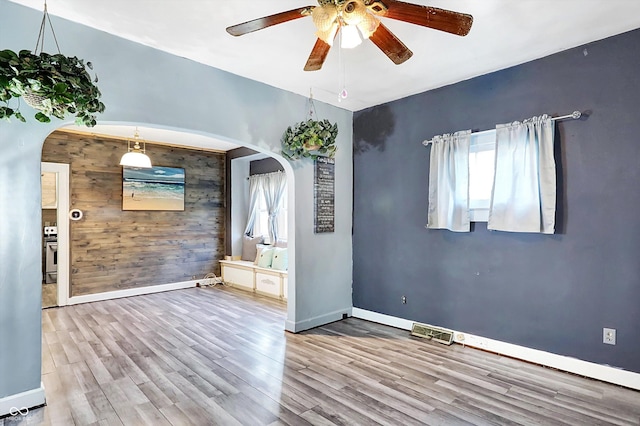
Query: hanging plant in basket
column 310, row 138
column 55, row 85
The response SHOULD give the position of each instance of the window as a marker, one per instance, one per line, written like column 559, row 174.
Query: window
column 261, row 226
column 481, row 170
column 505, row 177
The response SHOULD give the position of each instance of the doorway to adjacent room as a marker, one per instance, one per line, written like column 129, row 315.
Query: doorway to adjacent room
column 55, row 231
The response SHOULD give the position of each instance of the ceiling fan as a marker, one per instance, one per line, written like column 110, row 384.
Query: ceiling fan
column 357, row 20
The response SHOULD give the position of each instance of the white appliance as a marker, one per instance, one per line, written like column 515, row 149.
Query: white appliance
column 51, row 254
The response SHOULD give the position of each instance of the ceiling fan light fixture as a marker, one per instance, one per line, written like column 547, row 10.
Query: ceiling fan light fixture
column 349, row 37
column 356, row 13
column 329, row 35
column 325, row 20
column 368, row 25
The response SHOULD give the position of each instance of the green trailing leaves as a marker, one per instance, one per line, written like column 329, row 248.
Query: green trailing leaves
column 310, row 139
column 6, row 112
column 55, row 85
column 42, row 117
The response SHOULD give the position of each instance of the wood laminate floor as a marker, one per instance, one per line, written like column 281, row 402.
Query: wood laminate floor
column 49, row 295
column 219, row 356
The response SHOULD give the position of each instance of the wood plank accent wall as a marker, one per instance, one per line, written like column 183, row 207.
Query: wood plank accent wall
column 113, row 249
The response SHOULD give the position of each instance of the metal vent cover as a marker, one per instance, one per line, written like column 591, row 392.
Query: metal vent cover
column 440, row 335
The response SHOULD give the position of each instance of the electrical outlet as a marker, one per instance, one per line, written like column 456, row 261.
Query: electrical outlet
column 404, row 300
column 609, row 336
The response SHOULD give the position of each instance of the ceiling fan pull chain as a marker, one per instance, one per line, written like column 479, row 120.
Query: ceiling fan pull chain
column 340, row 66
column 342, row 73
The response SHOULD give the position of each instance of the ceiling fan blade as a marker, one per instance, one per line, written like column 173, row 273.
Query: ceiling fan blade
column 267, row 21
column 390, row 45
column 427, row 16
column 317, row 56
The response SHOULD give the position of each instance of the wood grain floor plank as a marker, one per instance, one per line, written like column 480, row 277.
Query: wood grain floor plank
column 348, row 406
column 211, row 413
column 219, row 356
column 150, row 415
column 169, row 389
column 499, row 405
column 81, row 409
column 155, row 395
column 48, row 365
column 100, row 405
column 393, row 409
column 316, row 417
column 601, row 414
column 555, row 408
column 58, row 355
column 245, row 410
column 420, row 391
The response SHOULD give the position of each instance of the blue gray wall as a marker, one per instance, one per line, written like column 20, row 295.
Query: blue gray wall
column 144, row 86
column 553, row 293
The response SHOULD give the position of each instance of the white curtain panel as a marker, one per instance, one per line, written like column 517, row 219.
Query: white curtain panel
column 274, row 186
column 524, row 189
column 449, row 182
column 254, row 194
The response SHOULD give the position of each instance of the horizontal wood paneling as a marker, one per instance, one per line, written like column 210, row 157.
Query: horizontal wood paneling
column 112, row 249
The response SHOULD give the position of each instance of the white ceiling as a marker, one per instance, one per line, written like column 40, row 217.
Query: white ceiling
column 504, row 33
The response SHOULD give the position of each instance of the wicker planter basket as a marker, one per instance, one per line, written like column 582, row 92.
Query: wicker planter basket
column 34, row 101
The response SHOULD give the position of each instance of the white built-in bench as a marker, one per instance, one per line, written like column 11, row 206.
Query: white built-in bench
column 248, row 276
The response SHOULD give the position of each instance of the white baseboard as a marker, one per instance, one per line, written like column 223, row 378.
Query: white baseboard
column 401, row 323
column 592, row 370
column 108, row 295
column 29, row 399
column 298, row 326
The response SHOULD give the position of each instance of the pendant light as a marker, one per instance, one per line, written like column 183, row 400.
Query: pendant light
column 136, row 156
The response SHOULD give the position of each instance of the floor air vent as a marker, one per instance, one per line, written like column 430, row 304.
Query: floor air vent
column 433, row 333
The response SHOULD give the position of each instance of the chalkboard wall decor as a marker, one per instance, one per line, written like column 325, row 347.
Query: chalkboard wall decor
column 324, row 195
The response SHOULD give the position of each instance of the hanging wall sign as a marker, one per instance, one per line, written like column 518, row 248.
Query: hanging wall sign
column 324, row 195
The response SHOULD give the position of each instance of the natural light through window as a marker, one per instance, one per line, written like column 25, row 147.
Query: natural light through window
column 481, row 170
column 262, row 222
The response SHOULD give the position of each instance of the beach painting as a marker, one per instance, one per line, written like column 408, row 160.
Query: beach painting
column 158, row 188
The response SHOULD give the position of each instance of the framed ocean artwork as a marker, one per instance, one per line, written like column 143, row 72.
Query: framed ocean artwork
column 157, row 188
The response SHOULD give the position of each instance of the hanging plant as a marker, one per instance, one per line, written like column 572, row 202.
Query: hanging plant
column 310, row 138
column 55, row 85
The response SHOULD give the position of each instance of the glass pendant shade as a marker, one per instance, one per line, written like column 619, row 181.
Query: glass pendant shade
column 350, row 36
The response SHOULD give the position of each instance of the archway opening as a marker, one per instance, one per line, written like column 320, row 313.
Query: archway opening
column 109, row 142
